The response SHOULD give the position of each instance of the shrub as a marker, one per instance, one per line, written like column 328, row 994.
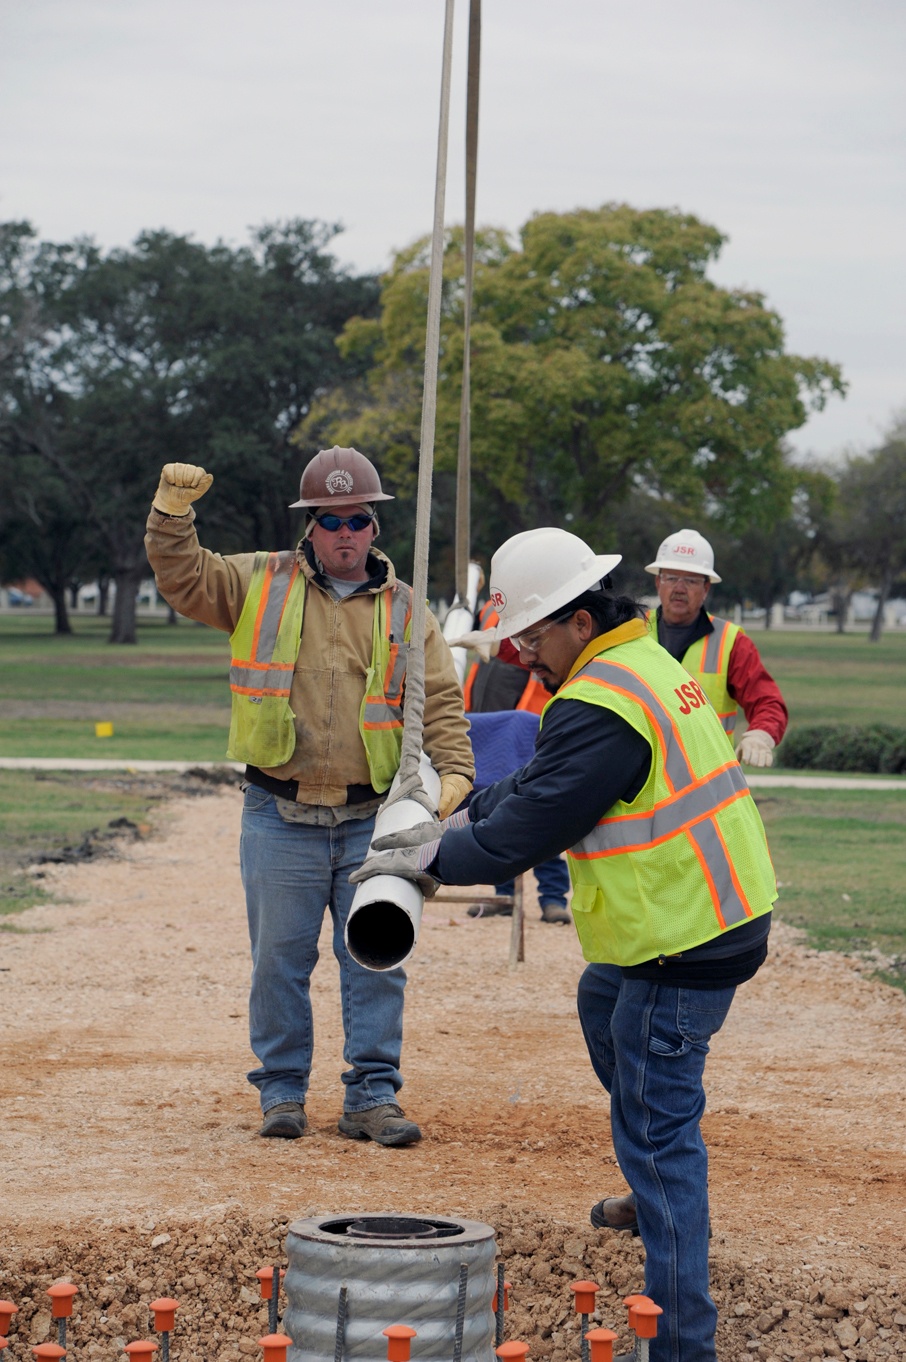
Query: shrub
column 845, row 747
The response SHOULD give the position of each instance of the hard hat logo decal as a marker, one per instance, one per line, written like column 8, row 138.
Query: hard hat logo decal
column 498, row 600
column 339, row 481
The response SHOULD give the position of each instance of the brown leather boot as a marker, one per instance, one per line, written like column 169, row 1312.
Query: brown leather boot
column 385, row 1124
column 287, row 1121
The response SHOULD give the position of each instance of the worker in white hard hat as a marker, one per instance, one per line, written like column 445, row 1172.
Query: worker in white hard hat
column 319, row 639
column 719, row 654
column 672, row 886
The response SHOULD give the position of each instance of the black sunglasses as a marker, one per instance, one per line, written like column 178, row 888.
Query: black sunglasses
column 333, row 522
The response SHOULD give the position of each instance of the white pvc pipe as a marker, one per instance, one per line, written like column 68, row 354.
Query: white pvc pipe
column 461, row 619
column 386, row 912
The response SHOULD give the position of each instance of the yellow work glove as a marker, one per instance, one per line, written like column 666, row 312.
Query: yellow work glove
column 180, row 485
column 756, row 748
column 480, row 640
column 453, row 790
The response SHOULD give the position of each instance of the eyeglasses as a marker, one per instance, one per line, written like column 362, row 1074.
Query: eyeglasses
column 334, row 522
column 530, row 641
column 671, row 579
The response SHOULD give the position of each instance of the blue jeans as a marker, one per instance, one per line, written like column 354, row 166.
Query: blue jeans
column 648, row 1045
column 553, row 882
column 292, row 872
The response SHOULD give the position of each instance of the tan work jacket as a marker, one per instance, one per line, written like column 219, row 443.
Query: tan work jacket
column 334, row 657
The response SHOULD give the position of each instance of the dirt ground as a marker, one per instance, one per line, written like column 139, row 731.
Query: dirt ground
column 131, row 1163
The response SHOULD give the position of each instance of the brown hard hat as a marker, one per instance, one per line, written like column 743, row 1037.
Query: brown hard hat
column 340, row 477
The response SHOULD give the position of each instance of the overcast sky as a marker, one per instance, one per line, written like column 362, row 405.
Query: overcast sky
column 779, row 121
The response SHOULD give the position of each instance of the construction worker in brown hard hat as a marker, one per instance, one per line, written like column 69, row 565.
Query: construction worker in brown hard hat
column 317, row 633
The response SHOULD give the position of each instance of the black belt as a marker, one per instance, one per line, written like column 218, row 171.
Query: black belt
column 289, row 789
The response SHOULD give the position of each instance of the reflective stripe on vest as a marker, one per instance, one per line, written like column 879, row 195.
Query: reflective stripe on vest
column 713, row 660
column 383, row 709
column 634, row 831
column 259, row 674
column 677, row 769
column 730, row 905
column 709, row 661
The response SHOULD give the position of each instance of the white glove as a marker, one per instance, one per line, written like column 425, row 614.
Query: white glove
column 756, row 748
column 479, row 642
column 180, row 485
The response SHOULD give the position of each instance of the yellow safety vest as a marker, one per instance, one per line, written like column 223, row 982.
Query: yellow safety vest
column 265, row 645
column 688, row 859
column 708, row 660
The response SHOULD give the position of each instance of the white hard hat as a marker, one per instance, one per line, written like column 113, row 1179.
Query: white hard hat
column 687, row 550
column 536, row 573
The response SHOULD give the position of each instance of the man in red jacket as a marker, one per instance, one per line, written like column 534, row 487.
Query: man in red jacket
column 721, row 657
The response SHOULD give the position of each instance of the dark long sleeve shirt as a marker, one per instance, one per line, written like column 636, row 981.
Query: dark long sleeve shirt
column 586, row 759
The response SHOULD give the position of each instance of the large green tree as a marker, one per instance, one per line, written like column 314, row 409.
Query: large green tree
column 114, row 364
column 604, row 362
column 768, row 559
column 870, row 523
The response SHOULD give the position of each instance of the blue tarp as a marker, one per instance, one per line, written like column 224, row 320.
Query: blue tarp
column 501, row 742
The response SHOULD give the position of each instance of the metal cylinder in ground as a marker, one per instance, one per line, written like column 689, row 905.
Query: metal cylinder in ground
column 395, row 1276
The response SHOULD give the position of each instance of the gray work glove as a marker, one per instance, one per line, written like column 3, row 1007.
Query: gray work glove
column 409, row 863
column 412, row 788
column 421, row 833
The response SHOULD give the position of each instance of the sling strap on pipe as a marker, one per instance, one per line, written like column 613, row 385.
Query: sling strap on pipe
column 414, row 707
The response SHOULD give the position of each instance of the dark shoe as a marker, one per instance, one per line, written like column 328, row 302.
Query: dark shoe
column 554, row 912
column 385, row 1125
column 618, row 1213
column 485, row 909
column 287, row 1120
column 615, row 1213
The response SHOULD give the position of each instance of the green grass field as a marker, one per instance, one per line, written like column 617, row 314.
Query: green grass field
column 44, row 812
column 840, row 855
column 167, row 696
column 837, row 678
column 840, row 861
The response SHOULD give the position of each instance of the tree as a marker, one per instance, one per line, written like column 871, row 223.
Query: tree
column 116, row 364
column 765, row 561
column 873, row 498
column 41, row 535
column 604, row 362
